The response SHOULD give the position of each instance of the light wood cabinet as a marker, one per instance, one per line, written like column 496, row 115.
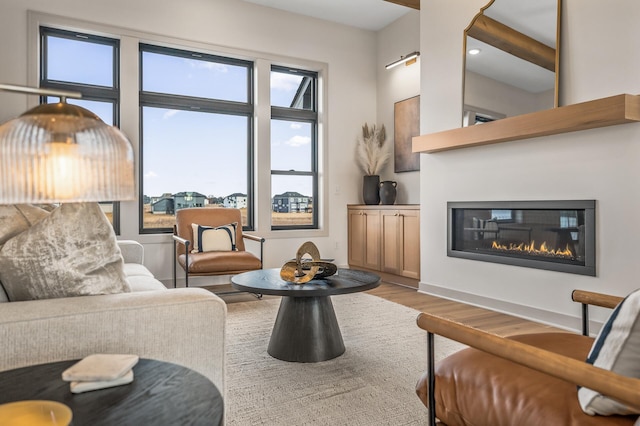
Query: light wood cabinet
column 386, row 239
column 364, row 238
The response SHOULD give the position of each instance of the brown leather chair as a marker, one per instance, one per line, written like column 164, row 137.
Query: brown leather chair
column 213, row 262
column 528, row 379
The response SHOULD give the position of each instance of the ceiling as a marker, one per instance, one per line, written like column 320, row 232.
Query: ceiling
column 370, row 15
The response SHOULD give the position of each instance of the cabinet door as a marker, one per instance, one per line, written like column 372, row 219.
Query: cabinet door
column 410, row 256
column 364, row 239
column 401, row 243
column 391, row 244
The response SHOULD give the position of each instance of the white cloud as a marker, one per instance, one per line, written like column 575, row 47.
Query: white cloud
column 167, row 115
column 286, row 82
column 212, row 66
column 299, row 141
column 150, row 175
column 296, row 126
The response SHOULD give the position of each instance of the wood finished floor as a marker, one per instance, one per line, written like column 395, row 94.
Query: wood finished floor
column 483, row 319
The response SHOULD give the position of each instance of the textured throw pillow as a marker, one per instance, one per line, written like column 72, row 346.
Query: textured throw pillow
column 617, row 348
column 209, row 238
column 71, row 252
column 3, row 295
column 17, row 218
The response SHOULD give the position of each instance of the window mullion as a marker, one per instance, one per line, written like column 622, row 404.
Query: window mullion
column 163, row 100
column 281, row 113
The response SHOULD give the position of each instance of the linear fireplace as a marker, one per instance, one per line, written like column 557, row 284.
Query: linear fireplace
column 552, row 235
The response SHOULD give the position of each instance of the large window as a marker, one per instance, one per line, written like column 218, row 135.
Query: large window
column 196, row 135
column 87, row 64
column 294, row 152
column 202, row 133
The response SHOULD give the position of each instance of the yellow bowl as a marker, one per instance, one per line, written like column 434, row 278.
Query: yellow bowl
column 35, row 413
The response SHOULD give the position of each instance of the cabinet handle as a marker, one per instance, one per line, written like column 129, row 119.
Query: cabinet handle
column 362, row 213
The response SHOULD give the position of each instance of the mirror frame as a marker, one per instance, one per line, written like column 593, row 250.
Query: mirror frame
column 539, row 53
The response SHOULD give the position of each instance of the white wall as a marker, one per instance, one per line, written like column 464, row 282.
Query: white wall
column 399, row 83
column 349, row 53
column 599, row 58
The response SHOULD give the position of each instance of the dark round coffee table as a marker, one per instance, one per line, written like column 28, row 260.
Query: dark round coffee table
column 306, row 328
column 161, row 394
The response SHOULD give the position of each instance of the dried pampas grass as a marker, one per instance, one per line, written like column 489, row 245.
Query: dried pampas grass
column 371, row 152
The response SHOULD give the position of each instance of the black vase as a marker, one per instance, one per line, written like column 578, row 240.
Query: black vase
column 370, row 190
column 388, row 192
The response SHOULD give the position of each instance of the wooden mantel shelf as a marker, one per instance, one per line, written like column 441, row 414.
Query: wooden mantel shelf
column 603, row 112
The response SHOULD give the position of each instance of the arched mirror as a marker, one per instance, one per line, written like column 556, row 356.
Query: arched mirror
column 511, row 60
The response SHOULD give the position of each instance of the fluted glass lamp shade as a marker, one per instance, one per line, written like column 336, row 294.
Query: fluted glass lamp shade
column 57, row 153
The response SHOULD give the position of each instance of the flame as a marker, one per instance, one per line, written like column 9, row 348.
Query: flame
column 531, row 249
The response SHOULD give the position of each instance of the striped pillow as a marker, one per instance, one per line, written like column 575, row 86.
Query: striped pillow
column 209, row 238
column 617, row 349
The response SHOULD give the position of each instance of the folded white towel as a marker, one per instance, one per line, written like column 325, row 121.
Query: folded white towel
column 79, row 387
column 100, row 368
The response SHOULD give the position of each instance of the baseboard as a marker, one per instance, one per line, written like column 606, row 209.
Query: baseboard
column 564, row 321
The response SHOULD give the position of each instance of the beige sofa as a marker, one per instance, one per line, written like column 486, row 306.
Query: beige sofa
column 183, row 326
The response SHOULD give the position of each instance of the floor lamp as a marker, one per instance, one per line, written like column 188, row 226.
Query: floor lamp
column 61, row 153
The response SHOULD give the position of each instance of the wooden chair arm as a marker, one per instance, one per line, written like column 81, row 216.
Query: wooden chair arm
column 261, row 241
column 621, row 388
column 181, row 240
column 253, row 237
column 595, row 299
column 587, row 298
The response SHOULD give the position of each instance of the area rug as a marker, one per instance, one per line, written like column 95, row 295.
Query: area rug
column 372, row 383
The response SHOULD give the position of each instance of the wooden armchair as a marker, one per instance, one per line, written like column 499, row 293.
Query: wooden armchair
column 197, row 262
column 521, row 380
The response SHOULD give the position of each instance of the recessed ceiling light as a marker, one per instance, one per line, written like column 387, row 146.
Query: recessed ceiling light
column 474, row 51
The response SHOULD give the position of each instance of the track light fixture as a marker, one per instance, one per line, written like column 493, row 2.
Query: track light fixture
column 408, row 59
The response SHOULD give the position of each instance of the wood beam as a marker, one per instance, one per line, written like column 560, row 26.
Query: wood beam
column 596, row 299
column 414, row 4
column 511, row 41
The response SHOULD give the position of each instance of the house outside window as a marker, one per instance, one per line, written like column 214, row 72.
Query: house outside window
column 196, row 133
column 88, row 64
column 294, row 148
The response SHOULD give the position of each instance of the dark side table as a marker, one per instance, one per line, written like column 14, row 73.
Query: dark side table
column 161, row 394
column 306, row 328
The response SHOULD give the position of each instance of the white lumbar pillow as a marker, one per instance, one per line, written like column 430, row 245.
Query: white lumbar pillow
column 209, row 238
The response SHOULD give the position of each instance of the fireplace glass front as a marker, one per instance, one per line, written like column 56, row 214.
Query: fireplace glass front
column 552, row 235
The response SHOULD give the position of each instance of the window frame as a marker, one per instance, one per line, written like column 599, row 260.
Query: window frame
column 303, row 116
column 89, row 92
column 191, row 104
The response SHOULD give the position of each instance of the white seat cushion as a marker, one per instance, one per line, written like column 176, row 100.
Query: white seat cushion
column 136, row 269
column 144, row 283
